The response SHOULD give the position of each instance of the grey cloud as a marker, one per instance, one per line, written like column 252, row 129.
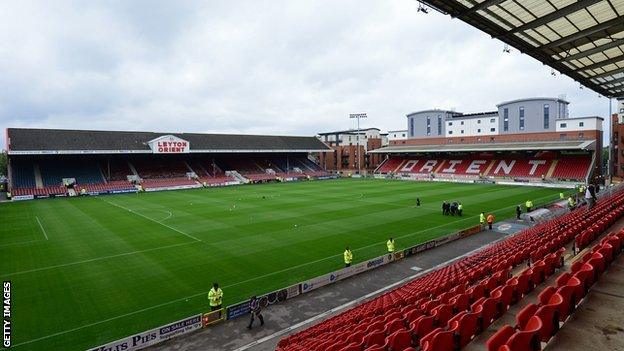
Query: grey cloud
column 273, row 66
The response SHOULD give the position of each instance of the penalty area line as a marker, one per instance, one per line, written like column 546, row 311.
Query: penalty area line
column 153, row 220
column 41, row 226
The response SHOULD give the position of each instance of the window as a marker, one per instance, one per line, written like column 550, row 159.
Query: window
column 563, row 125
column 411, row 127
column 428, row 125
column 462, row 131
column 521, row 118
column 450, row 123
column 439, row 125
column 462, row 123
column 479, row 130
column 492, row 120
column 450, row 132
column 492, row 129
column 505, row 119
column 403, row 135
column 478, row 121
column 581, row 124
column 546, row 116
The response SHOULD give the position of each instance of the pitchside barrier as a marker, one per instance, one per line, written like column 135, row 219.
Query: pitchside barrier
column 154, row 336
column 190, row 324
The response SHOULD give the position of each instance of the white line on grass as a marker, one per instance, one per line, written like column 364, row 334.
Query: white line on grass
column 153, row 220
column 260, row 277
column 235, row 284
column 169, row 216
column 41, row 226
column 21, row 242
column 360, row 299
column 97, row 259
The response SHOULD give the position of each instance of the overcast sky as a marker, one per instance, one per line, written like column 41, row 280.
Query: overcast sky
column 270, row 67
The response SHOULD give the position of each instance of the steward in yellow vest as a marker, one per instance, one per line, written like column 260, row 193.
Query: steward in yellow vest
column 348, row 257
column 390, row 245
column 215, row 297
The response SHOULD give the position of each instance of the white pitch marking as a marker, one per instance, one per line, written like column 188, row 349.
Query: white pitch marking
column 41, row 226
column 95, row 259
column 155, row 221
column 417, row 269
column 21, row 242
column 259, row 277
column 169, row 216
column 255, row 278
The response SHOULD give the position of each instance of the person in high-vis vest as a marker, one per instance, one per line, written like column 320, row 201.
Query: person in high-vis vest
column 348, row 257
column 571, row 202
column 460, row 209
column 561, row 196
column 482, row 218
column 215, row 297
column 390, row 245
column 490, row 220
column 529, row 205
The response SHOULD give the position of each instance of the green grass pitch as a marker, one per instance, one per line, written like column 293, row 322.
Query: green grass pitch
column 86, row 271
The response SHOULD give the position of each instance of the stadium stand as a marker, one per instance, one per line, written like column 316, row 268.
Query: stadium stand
column 538, row 323
column 85, row 172
column 161, row 168
column 105, row 162
column 447, row 308
column 508, row 166
column 572, row 168
column 23, row 174
column 115, row 185
column 116, row 169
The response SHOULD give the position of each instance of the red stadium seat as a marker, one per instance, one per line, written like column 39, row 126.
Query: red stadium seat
column 439, row 340
column 399, row 340
column 375, row 338
column 499, row 338
column 528, row 339
column 422, row 326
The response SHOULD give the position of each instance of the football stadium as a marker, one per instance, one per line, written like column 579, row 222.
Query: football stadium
column 498, row 230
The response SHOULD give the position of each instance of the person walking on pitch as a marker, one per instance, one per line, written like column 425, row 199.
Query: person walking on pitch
column 215, row 297
column 390, row 245
column 256, row 308
column 460, row 209
column 348, row 257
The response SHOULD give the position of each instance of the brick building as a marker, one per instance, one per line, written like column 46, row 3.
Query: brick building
column 617, row 141
column 346, row 155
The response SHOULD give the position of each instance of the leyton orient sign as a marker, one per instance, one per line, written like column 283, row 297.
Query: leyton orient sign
column 169, row 144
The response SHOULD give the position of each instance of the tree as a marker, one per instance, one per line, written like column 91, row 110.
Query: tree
column 3, row 163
